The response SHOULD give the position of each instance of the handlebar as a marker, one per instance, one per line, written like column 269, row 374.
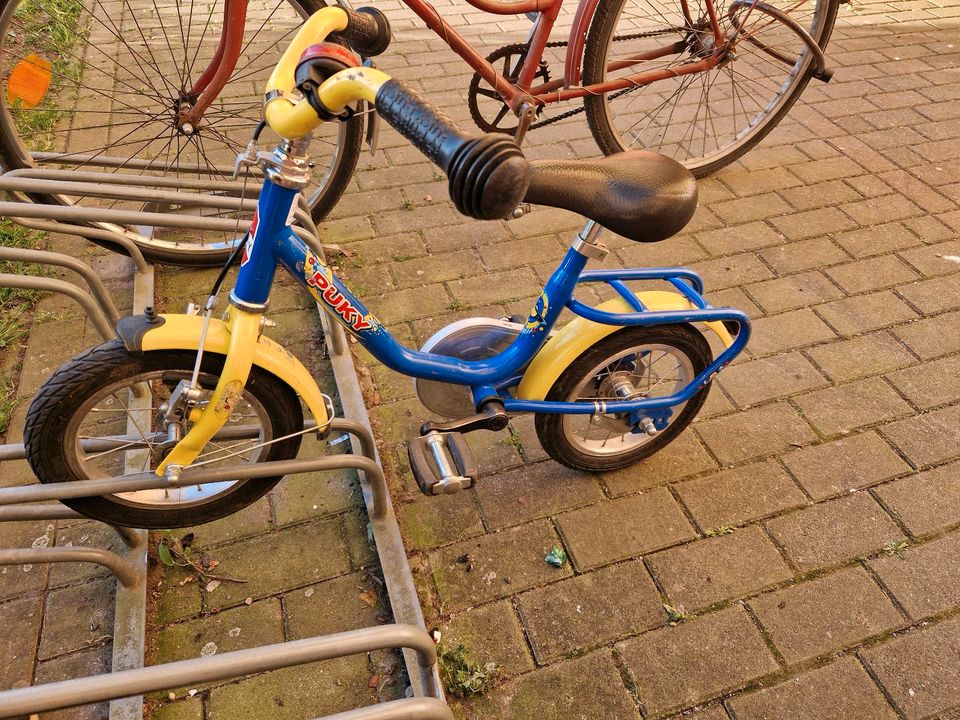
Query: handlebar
column 488, row 174
column 294, row 120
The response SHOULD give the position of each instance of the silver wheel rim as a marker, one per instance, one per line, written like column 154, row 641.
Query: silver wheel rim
column 656, row 370
column 111, row 412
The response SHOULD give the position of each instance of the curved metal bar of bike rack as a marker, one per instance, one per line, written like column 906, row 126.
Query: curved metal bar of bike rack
column 56, row 511
column 126, row 573
column 122, row 192
column 112, row 178
column 44, row 257
column 98, row 688
column 418, row 708
column 89, row 232
column 75, row 213
column 86, row 300
column 105, row 224
column 129, row 566
column 200, row 476
column 39, row 511
column 88, row 160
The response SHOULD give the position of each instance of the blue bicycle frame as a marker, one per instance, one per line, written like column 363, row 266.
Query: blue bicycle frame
column 271, row 242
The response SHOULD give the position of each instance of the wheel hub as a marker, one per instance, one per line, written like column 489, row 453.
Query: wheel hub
column 618, row 385
column 181, row 112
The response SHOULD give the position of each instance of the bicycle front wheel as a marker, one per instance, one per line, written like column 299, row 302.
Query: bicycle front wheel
column 120, row 74
column 86, row 423
column 708, row 119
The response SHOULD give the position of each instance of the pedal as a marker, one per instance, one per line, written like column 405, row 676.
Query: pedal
column 441, row 463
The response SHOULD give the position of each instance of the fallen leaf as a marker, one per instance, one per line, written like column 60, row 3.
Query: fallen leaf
column 369, row 598
column 374, row 681
column 163, row 551
column 212, row 585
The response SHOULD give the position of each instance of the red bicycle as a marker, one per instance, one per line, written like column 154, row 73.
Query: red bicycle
column 145, row 86
column 693, row 79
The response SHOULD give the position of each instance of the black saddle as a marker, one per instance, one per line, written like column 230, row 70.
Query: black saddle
column 642, row 195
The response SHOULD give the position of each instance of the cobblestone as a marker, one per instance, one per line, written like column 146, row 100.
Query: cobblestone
column 825, row 615
column 835, row 531
column 623, row 528
column 922, row 579
column 917, row 671
column 844, row 465
column 842, row 689
column 588, row 610
column 739, row 495
column 713, row 654
column 847, row 407
column 909, row 499
column 701, row 574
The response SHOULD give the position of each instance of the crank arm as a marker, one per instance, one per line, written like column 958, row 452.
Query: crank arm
column 492, row 416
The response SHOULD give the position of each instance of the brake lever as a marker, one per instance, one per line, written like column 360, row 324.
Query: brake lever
column 250, row 156
column 373, row 119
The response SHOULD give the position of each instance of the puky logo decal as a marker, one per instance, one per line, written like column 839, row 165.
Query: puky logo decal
column 319, row 279
column 251, row 239
column 538, row 316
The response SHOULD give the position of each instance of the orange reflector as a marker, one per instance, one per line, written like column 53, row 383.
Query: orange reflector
column 29, row 81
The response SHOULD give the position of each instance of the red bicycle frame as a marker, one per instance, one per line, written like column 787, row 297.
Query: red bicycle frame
column 569, row 87
column 213, row 79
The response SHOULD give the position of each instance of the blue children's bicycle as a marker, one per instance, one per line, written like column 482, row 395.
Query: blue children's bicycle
column 614, row 385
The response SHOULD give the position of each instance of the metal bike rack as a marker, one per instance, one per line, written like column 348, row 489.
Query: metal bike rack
column 129, row 680
column 130, row 565
column 81, row 691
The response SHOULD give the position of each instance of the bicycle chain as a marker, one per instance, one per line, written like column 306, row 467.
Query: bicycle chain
column 522, row 48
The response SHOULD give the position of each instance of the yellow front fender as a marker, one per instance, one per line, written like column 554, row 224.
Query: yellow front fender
column 182, row 332
column 574, row 338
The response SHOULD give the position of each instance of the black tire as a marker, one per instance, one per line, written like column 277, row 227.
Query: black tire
column 554, row 431
column 55, row 457
column 138, row 98
column 730, row 133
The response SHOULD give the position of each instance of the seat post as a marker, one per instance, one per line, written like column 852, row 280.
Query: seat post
column 587, row 242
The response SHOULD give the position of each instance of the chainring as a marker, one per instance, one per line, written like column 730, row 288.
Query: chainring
column 504, row 120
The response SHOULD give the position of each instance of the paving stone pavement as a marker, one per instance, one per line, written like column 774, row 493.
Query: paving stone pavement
column 831, row 451
column 807, row 521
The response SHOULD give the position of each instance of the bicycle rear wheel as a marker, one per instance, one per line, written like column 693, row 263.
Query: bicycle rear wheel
column 120, row 70
column 705, row 120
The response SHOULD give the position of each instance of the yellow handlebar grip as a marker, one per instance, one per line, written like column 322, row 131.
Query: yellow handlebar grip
column 292, row 120
column 286, row 118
